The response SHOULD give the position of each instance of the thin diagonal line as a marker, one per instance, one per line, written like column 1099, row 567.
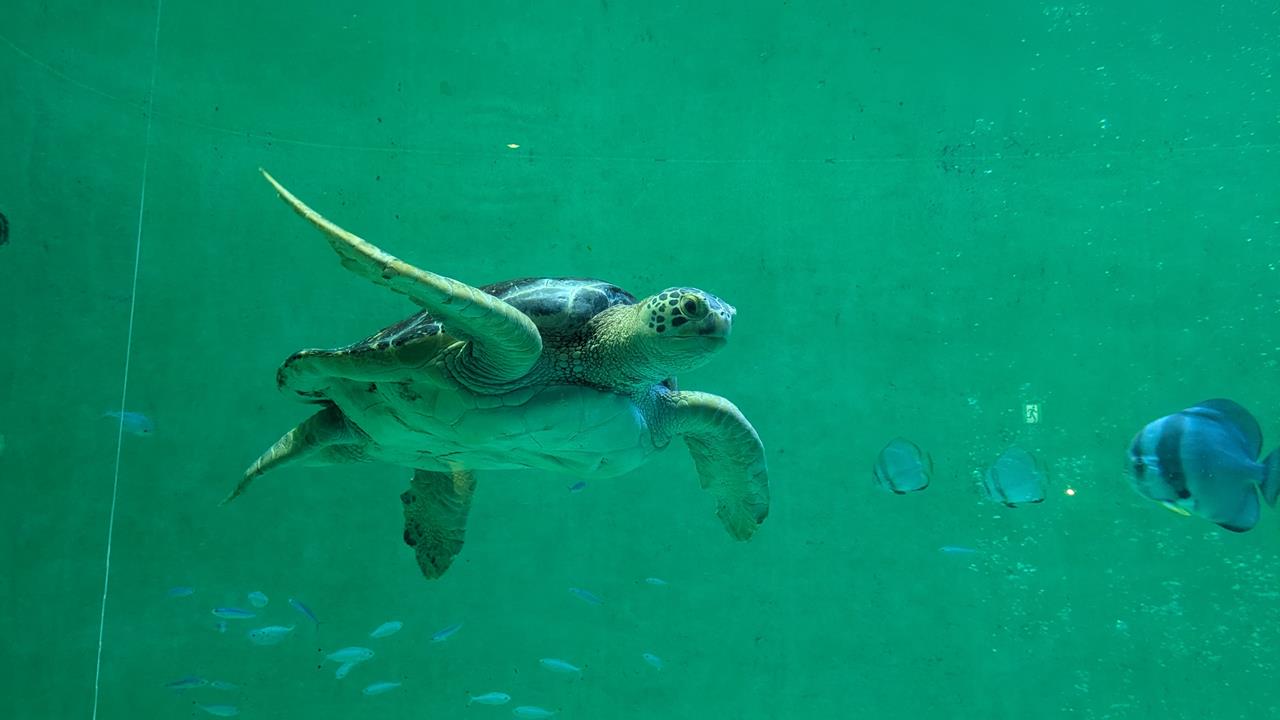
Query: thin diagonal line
column 128, row 354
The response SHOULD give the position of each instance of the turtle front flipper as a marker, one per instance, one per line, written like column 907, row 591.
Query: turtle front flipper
column 729, row 458
column 435, row 517
column 504, row 343
column 325, row 438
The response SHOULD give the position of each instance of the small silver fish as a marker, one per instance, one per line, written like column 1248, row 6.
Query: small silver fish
column 956, row 550
column 578, row 486
column 653, row 660
column 559, row 666
column 343, row 669
column 297, row 605
column 532, row 712
column 231, row 613
column 187, row 683
column 587, row 595
column 445, row 633
column 258, row 599
column 180, row 591
column 224, row 685
column 655, row 581
column 379, row 688
column 351, row 655
column 386, row 628
column 490, row 698
column 134, row 423
column 269, row 635
column 220, row 710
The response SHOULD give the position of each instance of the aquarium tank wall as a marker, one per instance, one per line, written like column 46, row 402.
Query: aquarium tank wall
column 790, row 359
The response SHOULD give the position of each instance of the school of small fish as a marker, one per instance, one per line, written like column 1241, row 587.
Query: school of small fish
column 348, row 658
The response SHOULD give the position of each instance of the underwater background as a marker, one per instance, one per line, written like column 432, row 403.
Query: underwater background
column 928, row 215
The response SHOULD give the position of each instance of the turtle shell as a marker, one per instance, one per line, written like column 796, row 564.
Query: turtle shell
column 558, row 306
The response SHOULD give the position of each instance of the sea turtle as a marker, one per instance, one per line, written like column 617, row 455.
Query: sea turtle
column 564, row 374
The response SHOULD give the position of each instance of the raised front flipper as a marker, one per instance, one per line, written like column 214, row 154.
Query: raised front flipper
column 435, row 517
column 503, row 343
column 729, row 458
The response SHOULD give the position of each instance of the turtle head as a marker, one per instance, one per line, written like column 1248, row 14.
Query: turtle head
column 679, row 328
column 638, row 345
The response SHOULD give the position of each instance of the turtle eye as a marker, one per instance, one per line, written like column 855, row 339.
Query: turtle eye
column 693, row 307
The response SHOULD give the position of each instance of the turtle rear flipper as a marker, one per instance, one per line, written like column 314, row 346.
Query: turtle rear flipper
column 435, row 517
column 504, row 343
column 325, row 438
column 729, row 458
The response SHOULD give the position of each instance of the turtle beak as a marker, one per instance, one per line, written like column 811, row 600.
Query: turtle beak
column 718, row 323
column 716, row 326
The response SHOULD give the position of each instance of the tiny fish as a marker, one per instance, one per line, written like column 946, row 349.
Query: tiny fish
column 490, row 698
column 902, row 467
column 445, row 633
column 578, row 486
column 180, row 591
column 956, row 550
column 1203, row 461
column 220, row 626
column 220, row 710
column 560, row 666
column 351, row 655
column 186, row 683
column 658, row 582
column 653, row 660
column 386, row 628
column 258, row 599
column 343, row 669
column 587, row 595
column 134, row 423
column 1017, row 478
column 223, row 685
column 231, row 613
column 379, row 688
column 4, row 230
column 531, row 711
column 297, row 605
column 269, row 635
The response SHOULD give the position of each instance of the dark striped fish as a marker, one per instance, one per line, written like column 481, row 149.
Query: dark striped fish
column 1016, row 478
column 1204, row 461
column 902, row 467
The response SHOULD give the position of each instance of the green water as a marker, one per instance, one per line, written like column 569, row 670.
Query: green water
column 928, row 215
